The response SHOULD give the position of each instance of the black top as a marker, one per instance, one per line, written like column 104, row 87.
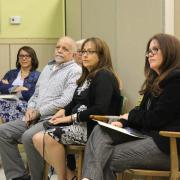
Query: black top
column 97, row 96
column 159, row 113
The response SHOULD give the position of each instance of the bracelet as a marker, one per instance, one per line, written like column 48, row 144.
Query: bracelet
column 78, row 119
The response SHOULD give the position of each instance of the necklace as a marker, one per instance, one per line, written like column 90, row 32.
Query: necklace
column 24, row 74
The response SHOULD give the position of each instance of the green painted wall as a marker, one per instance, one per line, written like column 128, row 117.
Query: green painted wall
column 39, row 18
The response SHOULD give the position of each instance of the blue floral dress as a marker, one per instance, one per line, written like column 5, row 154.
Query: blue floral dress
column 11, row 110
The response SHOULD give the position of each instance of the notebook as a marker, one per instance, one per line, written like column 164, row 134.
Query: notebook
column 127, row 130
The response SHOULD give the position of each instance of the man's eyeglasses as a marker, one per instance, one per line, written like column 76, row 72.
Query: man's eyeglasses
column 24, row 56
column 87, row 52
column 153, row 51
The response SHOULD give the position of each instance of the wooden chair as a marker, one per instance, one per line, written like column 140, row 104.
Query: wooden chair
column 79, row 151
column 173, row 173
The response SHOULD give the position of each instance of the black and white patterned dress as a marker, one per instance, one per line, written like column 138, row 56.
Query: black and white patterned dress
column 75, row 133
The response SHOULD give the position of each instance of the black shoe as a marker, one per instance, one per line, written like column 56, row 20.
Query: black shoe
column 25, row 177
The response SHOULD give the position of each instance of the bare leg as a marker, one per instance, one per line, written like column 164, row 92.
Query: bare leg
column 54, row 153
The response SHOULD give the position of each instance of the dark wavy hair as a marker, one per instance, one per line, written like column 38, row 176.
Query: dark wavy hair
column 170, row 48
column 32, row 53
column 105, row 62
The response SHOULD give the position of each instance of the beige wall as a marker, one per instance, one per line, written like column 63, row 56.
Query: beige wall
column 176, row 18
column 42, row 22
column 126, row 26
column 137, row 22
column 4, row 59
column 39, row 18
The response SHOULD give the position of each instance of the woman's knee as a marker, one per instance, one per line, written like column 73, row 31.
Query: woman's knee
column 41, row 137
column 37, row 139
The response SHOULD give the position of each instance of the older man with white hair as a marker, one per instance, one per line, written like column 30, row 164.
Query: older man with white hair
column 54, row 90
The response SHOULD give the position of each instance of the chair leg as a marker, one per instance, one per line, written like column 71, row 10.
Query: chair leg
column 119, row 176
column 149, row 178
column 174, row 177
column 46, row 168
column 80, row 161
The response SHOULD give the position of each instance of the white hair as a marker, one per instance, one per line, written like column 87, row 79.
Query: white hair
column 79, row 43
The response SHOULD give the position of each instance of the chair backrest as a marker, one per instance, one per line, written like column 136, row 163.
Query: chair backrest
column 123, row 104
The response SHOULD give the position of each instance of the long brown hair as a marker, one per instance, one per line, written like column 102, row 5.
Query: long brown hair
column 170, row 48
column 104, row 56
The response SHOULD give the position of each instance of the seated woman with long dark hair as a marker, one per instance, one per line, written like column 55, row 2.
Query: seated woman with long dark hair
column 109, row 151
column 98, row 92
column 20, row 82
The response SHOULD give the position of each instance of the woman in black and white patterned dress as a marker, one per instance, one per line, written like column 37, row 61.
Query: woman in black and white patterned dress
column 98, row 92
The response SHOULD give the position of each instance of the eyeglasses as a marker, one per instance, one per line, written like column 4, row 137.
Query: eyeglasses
column 153, row 51
column 88, row 52
column 21, row 56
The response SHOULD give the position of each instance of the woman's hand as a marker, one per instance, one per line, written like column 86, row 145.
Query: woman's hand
column 59, row 114
column 65, row 119
column 5, row 81
column 20, row 88
column 117, row 124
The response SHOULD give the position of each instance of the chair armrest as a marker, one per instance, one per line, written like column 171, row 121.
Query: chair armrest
column 170, row 134
column 173, row 151
column 99, row 118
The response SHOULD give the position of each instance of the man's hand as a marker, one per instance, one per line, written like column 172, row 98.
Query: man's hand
column 31, row 115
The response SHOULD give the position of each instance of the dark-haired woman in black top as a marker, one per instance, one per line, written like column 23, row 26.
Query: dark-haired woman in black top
column 159, row 110
column 98, row 92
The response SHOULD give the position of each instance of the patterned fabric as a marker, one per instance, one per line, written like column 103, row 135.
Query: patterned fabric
column 11, row 110
column 75, row 133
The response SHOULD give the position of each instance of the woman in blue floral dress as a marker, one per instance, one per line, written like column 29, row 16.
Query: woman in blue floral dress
column 20, row 82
